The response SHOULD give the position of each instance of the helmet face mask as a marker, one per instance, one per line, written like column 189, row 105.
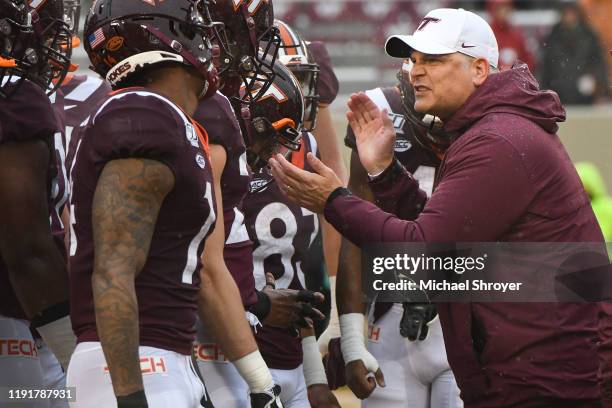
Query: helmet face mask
column 248, row 47
column 72, row 15
column 428, row 129
column 294, row 54
column 123, row 38
column 35, row 43
column 272, row 124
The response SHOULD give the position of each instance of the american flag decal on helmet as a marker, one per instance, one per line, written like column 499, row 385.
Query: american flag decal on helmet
column 96, row 38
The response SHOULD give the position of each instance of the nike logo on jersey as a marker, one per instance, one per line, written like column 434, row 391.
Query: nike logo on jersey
column 191, row 135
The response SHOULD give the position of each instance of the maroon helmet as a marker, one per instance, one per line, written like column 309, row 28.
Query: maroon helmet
column 272, row 123
column 124, row 37
column 35, row 43
column 248, row 44
column 294, row 54
column 427, row 128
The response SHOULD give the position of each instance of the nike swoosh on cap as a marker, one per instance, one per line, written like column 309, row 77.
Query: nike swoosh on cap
column 467, row 46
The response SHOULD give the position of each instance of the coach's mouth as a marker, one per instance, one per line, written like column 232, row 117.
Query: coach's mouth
column 420, row 89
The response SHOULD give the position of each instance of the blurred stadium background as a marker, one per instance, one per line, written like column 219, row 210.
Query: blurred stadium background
column 355, row 31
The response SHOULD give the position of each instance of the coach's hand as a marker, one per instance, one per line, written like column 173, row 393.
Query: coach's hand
column 320, row 396
column 290, row 308
column 309, row 190
column 374, row 133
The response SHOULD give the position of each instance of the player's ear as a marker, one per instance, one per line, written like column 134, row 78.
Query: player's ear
column 480, row 70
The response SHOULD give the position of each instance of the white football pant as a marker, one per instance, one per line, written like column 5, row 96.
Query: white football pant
column 170, row 379
column 417, row 374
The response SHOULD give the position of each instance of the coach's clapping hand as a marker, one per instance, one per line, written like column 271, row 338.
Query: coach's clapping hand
column 374, row 133
column 309, row 190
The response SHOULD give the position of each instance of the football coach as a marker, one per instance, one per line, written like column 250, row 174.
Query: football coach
column 505, row 177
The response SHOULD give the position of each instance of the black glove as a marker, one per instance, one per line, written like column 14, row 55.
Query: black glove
column 267, row 399
column 415, row 318
column 136, row 399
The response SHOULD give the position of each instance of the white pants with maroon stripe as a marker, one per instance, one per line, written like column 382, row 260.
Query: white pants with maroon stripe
column 417, row 374
column 169, row 378
column 19, row 362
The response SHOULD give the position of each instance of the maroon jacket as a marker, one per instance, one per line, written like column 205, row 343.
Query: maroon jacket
column 506, row 178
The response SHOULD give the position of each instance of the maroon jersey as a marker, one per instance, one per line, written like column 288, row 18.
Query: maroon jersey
column 25, row 115
column 281, row 232
column 217, row 115
column 143, row 124
column 327, row 87
column 81, row 94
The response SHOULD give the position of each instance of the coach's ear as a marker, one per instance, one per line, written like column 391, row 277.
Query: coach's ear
column 481, row 70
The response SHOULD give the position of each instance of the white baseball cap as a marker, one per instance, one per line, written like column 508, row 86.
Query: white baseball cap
column 446, row 31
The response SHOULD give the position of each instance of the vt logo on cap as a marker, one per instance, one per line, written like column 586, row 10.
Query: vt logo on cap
column 426, row 21
column 462, row 31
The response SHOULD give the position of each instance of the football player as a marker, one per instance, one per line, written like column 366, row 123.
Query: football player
column 405, row 339
column 310, row 62
column 282, row 233
column 33, row 278
column 143, row 204
column 239, row 63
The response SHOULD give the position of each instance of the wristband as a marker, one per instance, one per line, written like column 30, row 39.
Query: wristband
column 58, row 336
column 51, row 314
column 340, row 191
column 255, row 372
column 314, row 372
column 136, row 399
column 352, row 341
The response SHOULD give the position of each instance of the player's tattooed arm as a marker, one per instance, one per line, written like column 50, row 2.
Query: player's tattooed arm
column 126, row 204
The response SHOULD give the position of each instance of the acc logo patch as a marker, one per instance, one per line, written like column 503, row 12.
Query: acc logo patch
column 114, row 43
column 402, row 145
column 200, row 160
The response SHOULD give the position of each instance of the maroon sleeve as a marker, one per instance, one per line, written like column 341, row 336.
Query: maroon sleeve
column 137, row 127
column 27, row 115
column 328, row 86
column 483, row 188
column 397, row 192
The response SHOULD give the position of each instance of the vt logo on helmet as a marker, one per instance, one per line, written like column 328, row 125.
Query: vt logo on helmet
column 123, row 38
column 272, row 123
column 36, row 44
